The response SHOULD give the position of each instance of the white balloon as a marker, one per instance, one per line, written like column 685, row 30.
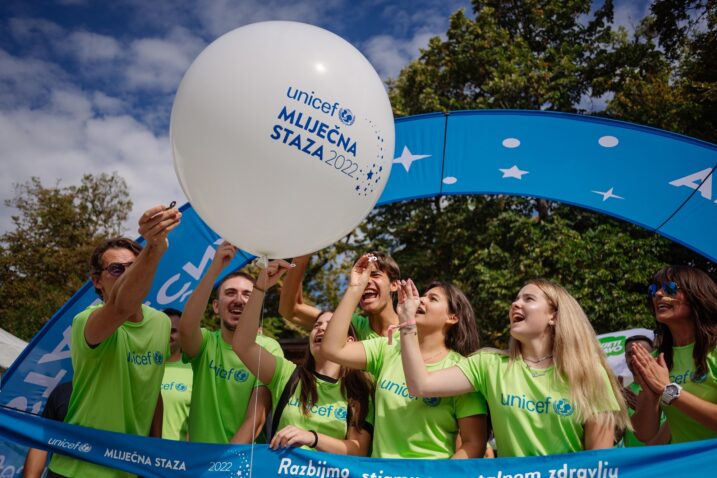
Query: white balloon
column 283, row 137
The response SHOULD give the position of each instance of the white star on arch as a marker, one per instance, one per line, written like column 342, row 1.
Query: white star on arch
column 514, row 172
column 608, row 194
column 407, row 158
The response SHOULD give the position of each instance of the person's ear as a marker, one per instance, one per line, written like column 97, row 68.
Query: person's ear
column 350, row 339
column 97, row 284
column 452, row 319
column 215, row 306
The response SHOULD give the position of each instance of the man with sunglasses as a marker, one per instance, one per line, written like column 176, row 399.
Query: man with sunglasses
column 119, row 346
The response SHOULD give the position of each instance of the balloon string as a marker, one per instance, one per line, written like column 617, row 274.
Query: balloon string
column 256, row 398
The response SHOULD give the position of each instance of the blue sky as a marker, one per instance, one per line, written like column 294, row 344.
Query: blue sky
column 86, row 86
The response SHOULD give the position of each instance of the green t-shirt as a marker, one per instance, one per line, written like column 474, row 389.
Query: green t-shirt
column 629, row 439
column 221, row 388
column 327, row 416
column 116, row 384
column 176, row 397
column 531, row 409
column 411, row 427
column 682, row 427
column 363, row 329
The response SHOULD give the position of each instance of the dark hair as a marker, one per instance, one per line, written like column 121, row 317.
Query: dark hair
column 700, row 291
column 639, row 338
column 387, row 265
column 463, row 336
column 172, row 312
column 356, row 387
column 232, row 275
column 96, row 265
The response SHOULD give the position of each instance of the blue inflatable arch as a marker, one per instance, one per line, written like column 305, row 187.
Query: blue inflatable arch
column 658, row 180
column 655, row 179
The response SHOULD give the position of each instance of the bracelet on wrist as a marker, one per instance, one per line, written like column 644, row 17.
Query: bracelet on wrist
column 256, row 287
column 316, row 439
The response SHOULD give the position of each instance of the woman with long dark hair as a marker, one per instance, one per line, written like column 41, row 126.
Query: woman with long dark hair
column 683, row 379
column 551, row 392
column 318, row 404
column 407, row 426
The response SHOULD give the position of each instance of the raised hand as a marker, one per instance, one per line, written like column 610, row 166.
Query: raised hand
column 653, row 374
column 361, row 271
column 408, row 300
column 272, row 273
column 223, row 255
column 156, row 223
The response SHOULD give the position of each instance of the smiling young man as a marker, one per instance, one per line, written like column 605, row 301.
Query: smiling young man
column 228, row 403
column 376, row 302
column 119, row 347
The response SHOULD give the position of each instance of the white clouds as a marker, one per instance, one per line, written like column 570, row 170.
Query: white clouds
column 221, row 16
column 29, row 30
column 389, row 55
column 90, row 47
column 107, row 104
column 70, row 136
column 159, row 63
column 24, row 81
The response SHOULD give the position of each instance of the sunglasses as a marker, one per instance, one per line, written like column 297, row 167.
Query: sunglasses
column 116, row 269
column 669, row 288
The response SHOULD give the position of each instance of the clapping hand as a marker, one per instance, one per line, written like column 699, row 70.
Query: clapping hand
column 408, row 300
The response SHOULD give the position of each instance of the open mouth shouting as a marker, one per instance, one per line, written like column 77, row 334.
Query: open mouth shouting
column 369, row 295
column 236, row 309
column 516, row 317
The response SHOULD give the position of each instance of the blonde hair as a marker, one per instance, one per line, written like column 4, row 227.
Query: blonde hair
column 579, row 359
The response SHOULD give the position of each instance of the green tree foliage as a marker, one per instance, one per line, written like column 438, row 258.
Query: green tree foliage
column 540, row 54
column 670, row 80
column 43, row 261
column 515, row 54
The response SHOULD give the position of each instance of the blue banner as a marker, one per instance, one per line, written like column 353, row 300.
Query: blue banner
column 656, row 179
column 152, row 457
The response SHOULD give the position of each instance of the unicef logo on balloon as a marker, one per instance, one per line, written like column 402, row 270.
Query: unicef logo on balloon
column 85, row 448
column 346, row 116
column 341, row 413
column 563, row 408
column 244, row 118
column 432, row 401
column 158, row 358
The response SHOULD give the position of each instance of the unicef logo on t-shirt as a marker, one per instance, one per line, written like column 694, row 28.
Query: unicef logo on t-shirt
column 341, row 413
column 242, row 375
column 346, row 116
column 158, row 358
column 563, row 408
column 432, row 401
column 181, row 387
column 698, row 379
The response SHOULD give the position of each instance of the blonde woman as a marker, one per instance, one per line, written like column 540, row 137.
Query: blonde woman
column 551, row 392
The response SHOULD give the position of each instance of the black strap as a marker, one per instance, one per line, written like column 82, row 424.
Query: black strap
column 283, row 400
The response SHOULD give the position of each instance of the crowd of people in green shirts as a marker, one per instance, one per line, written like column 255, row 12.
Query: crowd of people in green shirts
column 406, row 378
